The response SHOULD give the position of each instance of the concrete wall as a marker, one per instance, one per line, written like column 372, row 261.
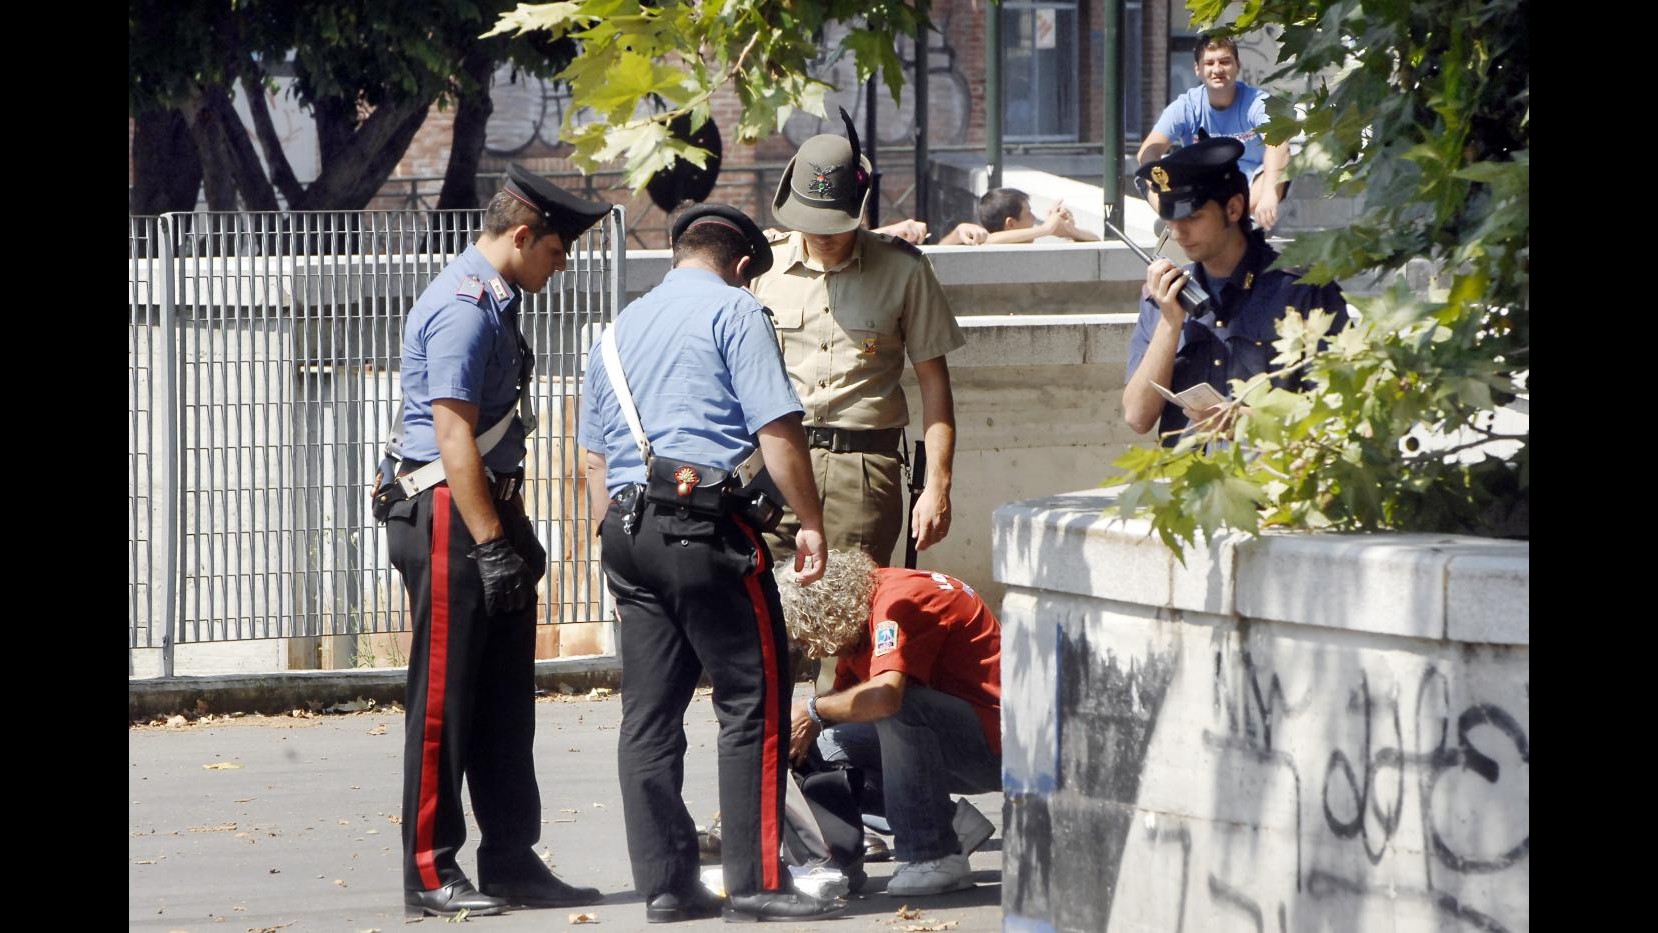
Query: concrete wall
column 1300, row 732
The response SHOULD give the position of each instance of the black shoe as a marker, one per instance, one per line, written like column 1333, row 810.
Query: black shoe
column 672, row 908
column 450, row 900
column 545, row 891
column 876, row 849
column 780, row 905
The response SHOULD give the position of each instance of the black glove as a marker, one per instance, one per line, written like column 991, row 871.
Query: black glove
column 509, row 584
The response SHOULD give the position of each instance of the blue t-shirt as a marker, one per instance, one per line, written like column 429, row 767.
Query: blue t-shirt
column 704, row 368
column 1191, row 110
column 461, row 342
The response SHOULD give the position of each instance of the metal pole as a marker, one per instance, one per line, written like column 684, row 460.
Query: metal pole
column 869, row 150
column 993, row 90
column 921, row 211
column 618, row 291
column 170, row 444
column 1111, row 98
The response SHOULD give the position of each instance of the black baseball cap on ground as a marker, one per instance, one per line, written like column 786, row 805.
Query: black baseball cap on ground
column 1186, row 178
column 728, row 216
column 567, row 215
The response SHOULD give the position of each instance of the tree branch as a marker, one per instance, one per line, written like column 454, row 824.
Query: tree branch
column 282, row 174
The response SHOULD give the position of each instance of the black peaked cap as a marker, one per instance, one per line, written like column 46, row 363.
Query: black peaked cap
column 1189, row 176
column 759, row 250
column 568, row 215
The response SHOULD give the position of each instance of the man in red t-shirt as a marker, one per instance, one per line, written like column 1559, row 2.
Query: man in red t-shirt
column 917, row 705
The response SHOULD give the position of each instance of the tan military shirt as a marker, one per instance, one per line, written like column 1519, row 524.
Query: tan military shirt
column 845, row 331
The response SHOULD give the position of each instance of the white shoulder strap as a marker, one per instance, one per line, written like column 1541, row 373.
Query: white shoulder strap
column 619, row 384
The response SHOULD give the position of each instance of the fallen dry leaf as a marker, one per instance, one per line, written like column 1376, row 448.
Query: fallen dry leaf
column 145, row 861
column 378, row 730
column 905, row 913
column 568, row 810
column 583, row 918
column 247, row 800
column 393, row 817
column 221, row 828
column 222, row 766
column 176, row 722
column 929, row 926
column 340, row 882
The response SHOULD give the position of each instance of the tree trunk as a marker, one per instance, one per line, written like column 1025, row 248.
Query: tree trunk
column 257, row 194
column 282, row 173
column 217, row 179
column 167, row 171
column 466, row 146
column 354, row 167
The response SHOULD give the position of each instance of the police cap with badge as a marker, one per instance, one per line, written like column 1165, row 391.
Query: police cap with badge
column 724, row 215
column 564, row 213
column 1185, row 179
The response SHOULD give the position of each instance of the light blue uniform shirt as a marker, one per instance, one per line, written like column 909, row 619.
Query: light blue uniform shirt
column 461, row 342
column 705, row 372
column 1191, row 110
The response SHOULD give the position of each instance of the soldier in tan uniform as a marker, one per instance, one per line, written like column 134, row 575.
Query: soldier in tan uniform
column 849, row 305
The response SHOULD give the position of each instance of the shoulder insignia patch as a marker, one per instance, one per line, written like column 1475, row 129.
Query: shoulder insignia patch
column 902, row 245
column 499, row 287
column 886, row 637
column 471, row 288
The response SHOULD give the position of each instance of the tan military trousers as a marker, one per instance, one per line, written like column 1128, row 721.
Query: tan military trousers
column 863, row 506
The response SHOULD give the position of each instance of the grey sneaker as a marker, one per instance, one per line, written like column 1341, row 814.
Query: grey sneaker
column 972, row 827
column 935, row 876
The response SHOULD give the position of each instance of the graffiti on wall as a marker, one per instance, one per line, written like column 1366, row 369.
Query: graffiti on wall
column 1361, row 758
column 1277, row 784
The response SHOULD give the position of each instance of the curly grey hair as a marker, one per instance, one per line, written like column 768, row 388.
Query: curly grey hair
column 831, row 615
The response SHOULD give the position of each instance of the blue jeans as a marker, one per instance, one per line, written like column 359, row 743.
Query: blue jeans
column 914, row 760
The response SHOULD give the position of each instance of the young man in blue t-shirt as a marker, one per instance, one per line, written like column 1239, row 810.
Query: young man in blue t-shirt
column 1224, row 106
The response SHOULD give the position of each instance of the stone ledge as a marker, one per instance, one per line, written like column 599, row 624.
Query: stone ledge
column 1437, row 587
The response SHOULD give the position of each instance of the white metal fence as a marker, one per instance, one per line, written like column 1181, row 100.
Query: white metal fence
column 263, row 358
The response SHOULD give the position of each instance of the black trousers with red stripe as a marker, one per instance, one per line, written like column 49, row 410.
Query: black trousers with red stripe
column 470, row 702
column 695, row 596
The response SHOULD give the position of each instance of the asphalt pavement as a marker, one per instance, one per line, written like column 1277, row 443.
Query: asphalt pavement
column 291, row 823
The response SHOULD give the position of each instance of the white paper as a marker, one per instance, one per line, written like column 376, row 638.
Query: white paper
column 1200, row 397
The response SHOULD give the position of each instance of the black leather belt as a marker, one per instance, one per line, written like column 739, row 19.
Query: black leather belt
column 846, row 441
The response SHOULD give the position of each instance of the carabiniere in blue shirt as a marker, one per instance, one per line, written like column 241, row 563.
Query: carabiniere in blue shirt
column 703, row 367
column 462, row 342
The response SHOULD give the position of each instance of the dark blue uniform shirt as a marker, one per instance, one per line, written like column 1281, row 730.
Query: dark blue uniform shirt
column 462, row 342
column 1235, row 341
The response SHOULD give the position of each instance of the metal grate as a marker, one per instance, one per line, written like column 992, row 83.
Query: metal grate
column 288, row 333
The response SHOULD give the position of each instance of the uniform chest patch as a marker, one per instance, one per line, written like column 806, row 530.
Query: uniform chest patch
column 471, row 288
column 870, row 346
column 500, row 289
column 886, row 637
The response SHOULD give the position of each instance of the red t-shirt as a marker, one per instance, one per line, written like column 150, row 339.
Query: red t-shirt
column 936, row 630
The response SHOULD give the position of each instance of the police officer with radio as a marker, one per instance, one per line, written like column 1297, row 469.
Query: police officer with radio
column 457, row 533
column 1204, row 195
column 696, row 360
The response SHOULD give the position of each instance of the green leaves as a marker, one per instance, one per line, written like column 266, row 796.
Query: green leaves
column 681, row 52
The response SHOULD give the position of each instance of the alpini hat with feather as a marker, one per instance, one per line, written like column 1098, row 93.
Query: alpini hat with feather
column 825, row 186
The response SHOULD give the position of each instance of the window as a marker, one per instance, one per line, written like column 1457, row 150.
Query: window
column 1039, row 70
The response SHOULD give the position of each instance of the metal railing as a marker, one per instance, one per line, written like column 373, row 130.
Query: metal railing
column 264, row 356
